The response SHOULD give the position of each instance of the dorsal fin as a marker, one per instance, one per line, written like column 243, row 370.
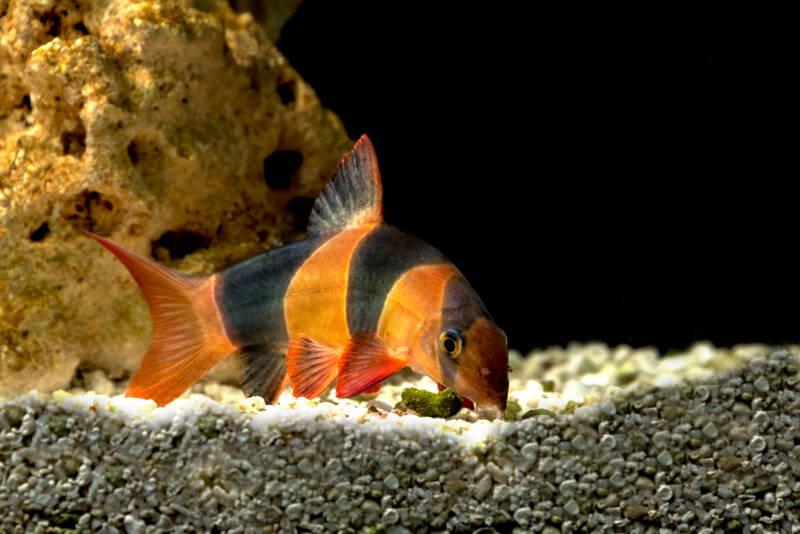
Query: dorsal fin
column 354, row 196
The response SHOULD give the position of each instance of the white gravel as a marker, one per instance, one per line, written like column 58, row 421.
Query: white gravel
column 624, row 456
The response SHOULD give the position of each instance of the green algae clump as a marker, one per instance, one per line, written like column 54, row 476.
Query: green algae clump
column 536, row 412
column 208, row 425
column 446, row 403
column 513, row 409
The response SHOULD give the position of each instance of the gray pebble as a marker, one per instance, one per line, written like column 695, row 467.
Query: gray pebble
column 665, row 458
column 572, row 507
column 710, row 431
column 530, row 451
column 391, row 482
column 133, row 525
column 761, row 384
column 664, row 493
column 390, row 517
column 483, row 487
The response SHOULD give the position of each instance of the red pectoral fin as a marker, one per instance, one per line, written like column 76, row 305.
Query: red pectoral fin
column 374, row 388
column 366, row 361
column 311, row 366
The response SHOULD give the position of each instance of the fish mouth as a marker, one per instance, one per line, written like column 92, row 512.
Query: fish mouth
column 490, row 411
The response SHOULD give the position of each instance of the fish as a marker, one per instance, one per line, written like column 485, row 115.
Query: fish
column 353, row 302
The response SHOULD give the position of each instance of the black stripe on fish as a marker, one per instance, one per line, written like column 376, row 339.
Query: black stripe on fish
column 379, row 260
column 253, row 292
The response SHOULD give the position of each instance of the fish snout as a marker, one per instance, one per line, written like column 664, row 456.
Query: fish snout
column 491, row 411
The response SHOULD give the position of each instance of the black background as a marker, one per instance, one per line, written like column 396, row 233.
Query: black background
column 613, row 176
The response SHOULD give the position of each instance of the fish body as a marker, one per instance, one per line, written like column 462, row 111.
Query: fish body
column 354, row 302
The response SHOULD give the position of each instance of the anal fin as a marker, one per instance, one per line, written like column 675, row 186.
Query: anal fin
column 311, row 366
column 365, row 362
column 264, row 371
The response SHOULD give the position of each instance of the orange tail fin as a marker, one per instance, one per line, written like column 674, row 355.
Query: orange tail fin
column 188, row 334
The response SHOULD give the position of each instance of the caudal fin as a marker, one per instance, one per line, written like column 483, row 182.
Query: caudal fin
column 188, row 334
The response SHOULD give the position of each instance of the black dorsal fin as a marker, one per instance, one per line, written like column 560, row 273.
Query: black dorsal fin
column 354, row 196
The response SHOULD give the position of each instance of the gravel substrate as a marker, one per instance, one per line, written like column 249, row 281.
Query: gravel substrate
column 622, row 455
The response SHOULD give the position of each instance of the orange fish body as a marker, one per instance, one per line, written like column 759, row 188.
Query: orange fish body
column 354, row 302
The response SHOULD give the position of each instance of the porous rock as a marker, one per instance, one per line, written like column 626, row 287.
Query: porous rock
column 175, row 128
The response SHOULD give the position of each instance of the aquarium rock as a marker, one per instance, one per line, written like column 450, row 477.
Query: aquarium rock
column 719, row 455
column 174, row 127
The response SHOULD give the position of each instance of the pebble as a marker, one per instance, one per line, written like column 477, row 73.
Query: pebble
column 761, row 384
column 572, row 507
column 390, row 517
column 665, row 458
column 530, row 451
column 391, row 482
column 664, row 493
column 710, row 431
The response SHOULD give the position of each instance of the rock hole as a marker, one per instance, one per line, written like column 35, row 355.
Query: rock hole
column 256, row 7
column 280, row 167
column 52, row 22
column 74, row 142
column 300, row 208
column 80, row 27
column 286, row 92
column 179, row 243
column 133, row 153
column 26, row 104
column 41, row 232
column 91, row 211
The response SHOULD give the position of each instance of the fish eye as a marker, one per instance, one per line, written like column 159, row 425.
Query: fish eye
column 451, row 342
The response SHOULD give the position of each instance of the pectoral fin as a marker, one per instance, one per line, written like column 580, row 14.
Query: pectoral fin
column 365, row 362
column 311, row 366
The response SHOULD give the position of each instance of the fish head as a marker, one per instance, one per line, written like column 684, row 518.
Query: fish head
column 472, row 351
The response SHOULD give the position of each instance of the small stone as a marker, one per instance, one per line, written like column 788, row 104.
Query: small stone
column 664, row 493
column 334, row 465
column 701, row 393
column 501, row 492
column 664, row 458
column 757, row 444
column 661, row 439
column 728, row 462
column 761, row 384
column 391, row 482
column 635, row 511
column 306, row 466
column 390, row 517
column 710, row 431
column 530, row 451
column 522, row 516
column 572, row 507
column 568, row 487
column 483, row 487
column 133, row 525
column 608, row 442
